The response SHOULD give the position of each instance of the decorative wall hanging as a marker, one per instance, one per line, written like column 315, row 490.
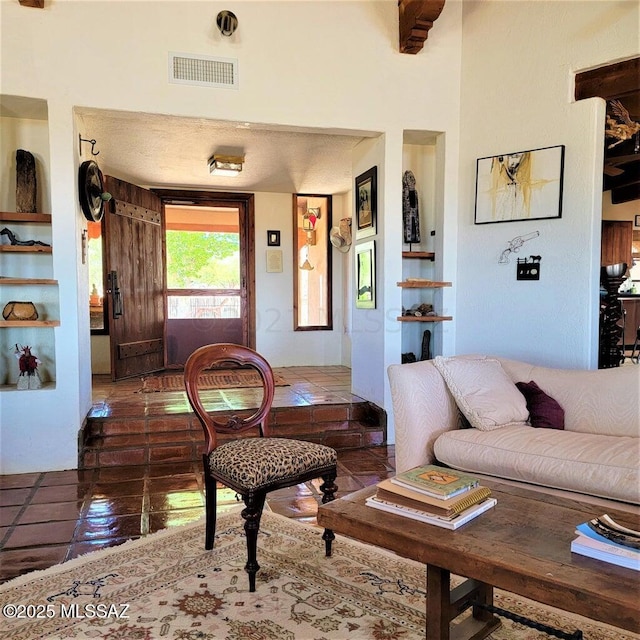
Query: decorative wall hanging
column 274, row 260
column 410, row 210
column 514, row 245
column 366, row 275
column 526, row 185
column 528, row 268
column 91, row 191
column 340, row 236
column 366, row 194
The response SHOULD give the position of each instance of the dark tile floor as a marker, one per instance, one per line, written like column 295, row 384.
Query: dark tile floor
column 47, row 518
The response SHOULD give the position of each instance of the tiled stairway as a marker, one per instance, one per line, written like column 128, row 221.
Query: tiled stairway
column 132, row 428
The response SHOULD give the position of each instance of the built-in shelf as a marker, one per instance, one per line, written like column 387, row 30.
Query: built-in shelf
column 29, row 323
column 423, row 318
column 419, row 255
column 13, row 248
column 13, row 216
column 422, row 284
column 23, row 281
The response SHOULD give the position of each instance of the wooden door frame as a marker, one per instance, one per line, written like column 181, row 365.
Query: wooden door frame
column 246, row 203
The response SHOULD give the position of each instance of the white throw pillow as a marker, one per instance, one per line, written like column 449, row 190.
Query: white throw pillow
column 483, row 391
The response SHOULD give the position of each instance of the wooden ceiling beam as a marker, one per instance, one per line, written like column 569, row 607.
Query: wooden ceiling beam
column 37, row 4
column 610, row 82
column 416, row 19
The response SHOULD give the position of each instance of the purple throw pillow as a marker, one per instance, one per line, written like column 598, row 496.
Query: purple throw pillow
column 544, row 411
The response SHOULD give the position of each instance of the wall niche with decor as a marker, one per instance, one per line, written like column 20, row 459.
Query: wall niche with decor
column 26, row 248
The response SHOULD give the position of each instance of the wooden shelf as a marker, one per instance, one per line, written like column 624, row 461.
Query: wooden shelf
column 23, row 281
column 36, row 248
column 12, row 216
column 419, row 255
column 423, row 318
column 422, row 284
column 29, row 323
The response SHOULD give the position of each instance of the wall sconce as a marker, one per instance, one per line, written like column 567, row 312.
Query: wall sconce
column 220, row 165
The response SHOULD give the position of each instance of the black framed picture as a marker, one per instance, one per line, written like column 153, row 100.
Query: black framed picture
column 525, row 185
column 273, row 238
column 366, row 205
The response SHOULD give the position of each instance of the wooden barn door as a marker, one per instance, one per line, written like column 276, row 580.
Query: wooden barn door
column 134, row 279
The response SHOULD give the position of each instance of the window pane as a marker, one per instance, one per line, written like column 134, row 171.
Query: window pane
column 203, row 260
column 188, row 307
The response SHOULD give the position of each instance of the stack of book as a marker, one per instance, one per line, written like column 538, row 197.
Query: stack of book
column 432, row 494
column 604, row 539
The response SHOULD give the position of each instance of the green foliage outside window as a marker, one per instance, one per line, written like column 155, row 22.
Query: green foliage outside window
column 199, row 260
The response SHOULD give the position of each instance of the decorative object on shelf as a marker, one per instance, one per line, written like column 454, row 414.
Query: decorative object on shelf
column 340, row 236
column 26, row 182
column 91, row 191
column 611, row 349
column 528, row 268
column 405, row 358
column 622, row 127
column 514, row 245
column 13, row 239
column 426, row 346
column 366, row 205
column 366, row 275
column 28, row 378
column 420, row 309
column 19, row 310
column 273, row 238
column 526, row 185
column 410, row 210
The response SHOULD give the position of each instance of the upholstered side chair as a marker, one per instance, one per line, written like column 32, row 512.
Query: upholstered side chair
column 252, row 466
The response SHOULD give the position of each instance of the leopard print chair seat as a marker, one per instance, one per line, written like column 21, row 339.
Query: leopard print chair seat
column 252, row 466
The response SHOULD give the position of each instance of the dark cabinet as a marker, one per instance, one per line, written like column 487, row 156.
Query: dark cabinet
column 617, row 238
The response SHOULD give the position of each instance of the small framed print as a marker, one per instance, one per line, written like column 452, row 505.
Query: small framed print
column 274, row 260
column 366, row 275
column 273, row 238
column 636, row 222
column 366, row 203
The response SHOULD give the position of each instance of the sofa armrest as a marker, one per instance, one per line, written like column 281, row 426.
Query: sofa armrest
column 423, row 409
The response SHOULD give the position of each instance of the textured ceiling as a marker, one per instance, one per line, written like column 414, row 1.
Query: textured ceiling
column 166, row 151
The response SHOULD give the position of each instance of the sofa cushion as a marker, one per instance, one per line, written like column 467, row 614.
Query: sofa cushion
column 597, row 465
column 485, row 394
column 544, row 411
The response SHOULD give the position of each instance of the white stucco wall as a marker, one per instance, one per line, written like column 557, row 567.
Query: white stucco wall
column 519, row 61
column 113, row 55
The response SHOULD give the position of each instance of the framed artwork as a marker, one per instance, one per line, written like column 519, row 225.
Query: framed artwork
column 274, row 260
column 525, row 185
column 636, row 222
column 366, row 204
column 366, row 275
column 273, row 238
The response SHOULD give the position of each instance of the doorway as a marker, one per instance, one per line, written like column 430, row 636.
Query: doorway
column 204, row 298
column 209, row 258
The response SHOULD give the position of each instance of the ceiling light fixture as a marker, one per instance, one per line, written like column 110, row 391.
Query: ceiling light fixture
column 225, row 165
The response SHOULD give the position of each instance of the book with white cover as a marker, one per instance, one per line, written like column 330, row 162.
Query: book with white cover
column 615, row 554
column 447, row 523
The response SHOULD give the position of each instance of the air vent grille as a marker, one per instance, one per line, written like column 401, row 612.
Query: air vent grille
column 203, row 70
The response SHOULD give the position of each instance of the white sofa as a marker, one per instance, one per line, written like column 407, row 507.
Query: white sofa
column 597, row 453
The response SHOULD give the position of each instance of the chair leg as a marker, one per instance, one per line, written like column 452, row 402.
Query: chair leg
column 210, row 496
column 328, row 488
column 252, row 514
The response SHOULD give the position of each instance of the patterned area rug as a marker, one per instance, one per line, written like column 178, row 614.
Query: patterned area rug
column 222, row 379
column 167, row 586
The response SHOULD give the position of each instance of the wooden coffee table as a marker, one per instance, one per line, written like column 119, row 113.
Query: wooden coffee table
column 522, row 545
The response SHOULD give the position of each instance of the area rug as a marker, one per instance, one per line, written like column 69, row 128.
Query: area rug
column 167, row 586
column 221, row 379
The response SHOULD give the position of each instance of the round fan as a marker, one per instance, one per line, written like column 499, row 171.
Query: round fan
column 91, row 191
